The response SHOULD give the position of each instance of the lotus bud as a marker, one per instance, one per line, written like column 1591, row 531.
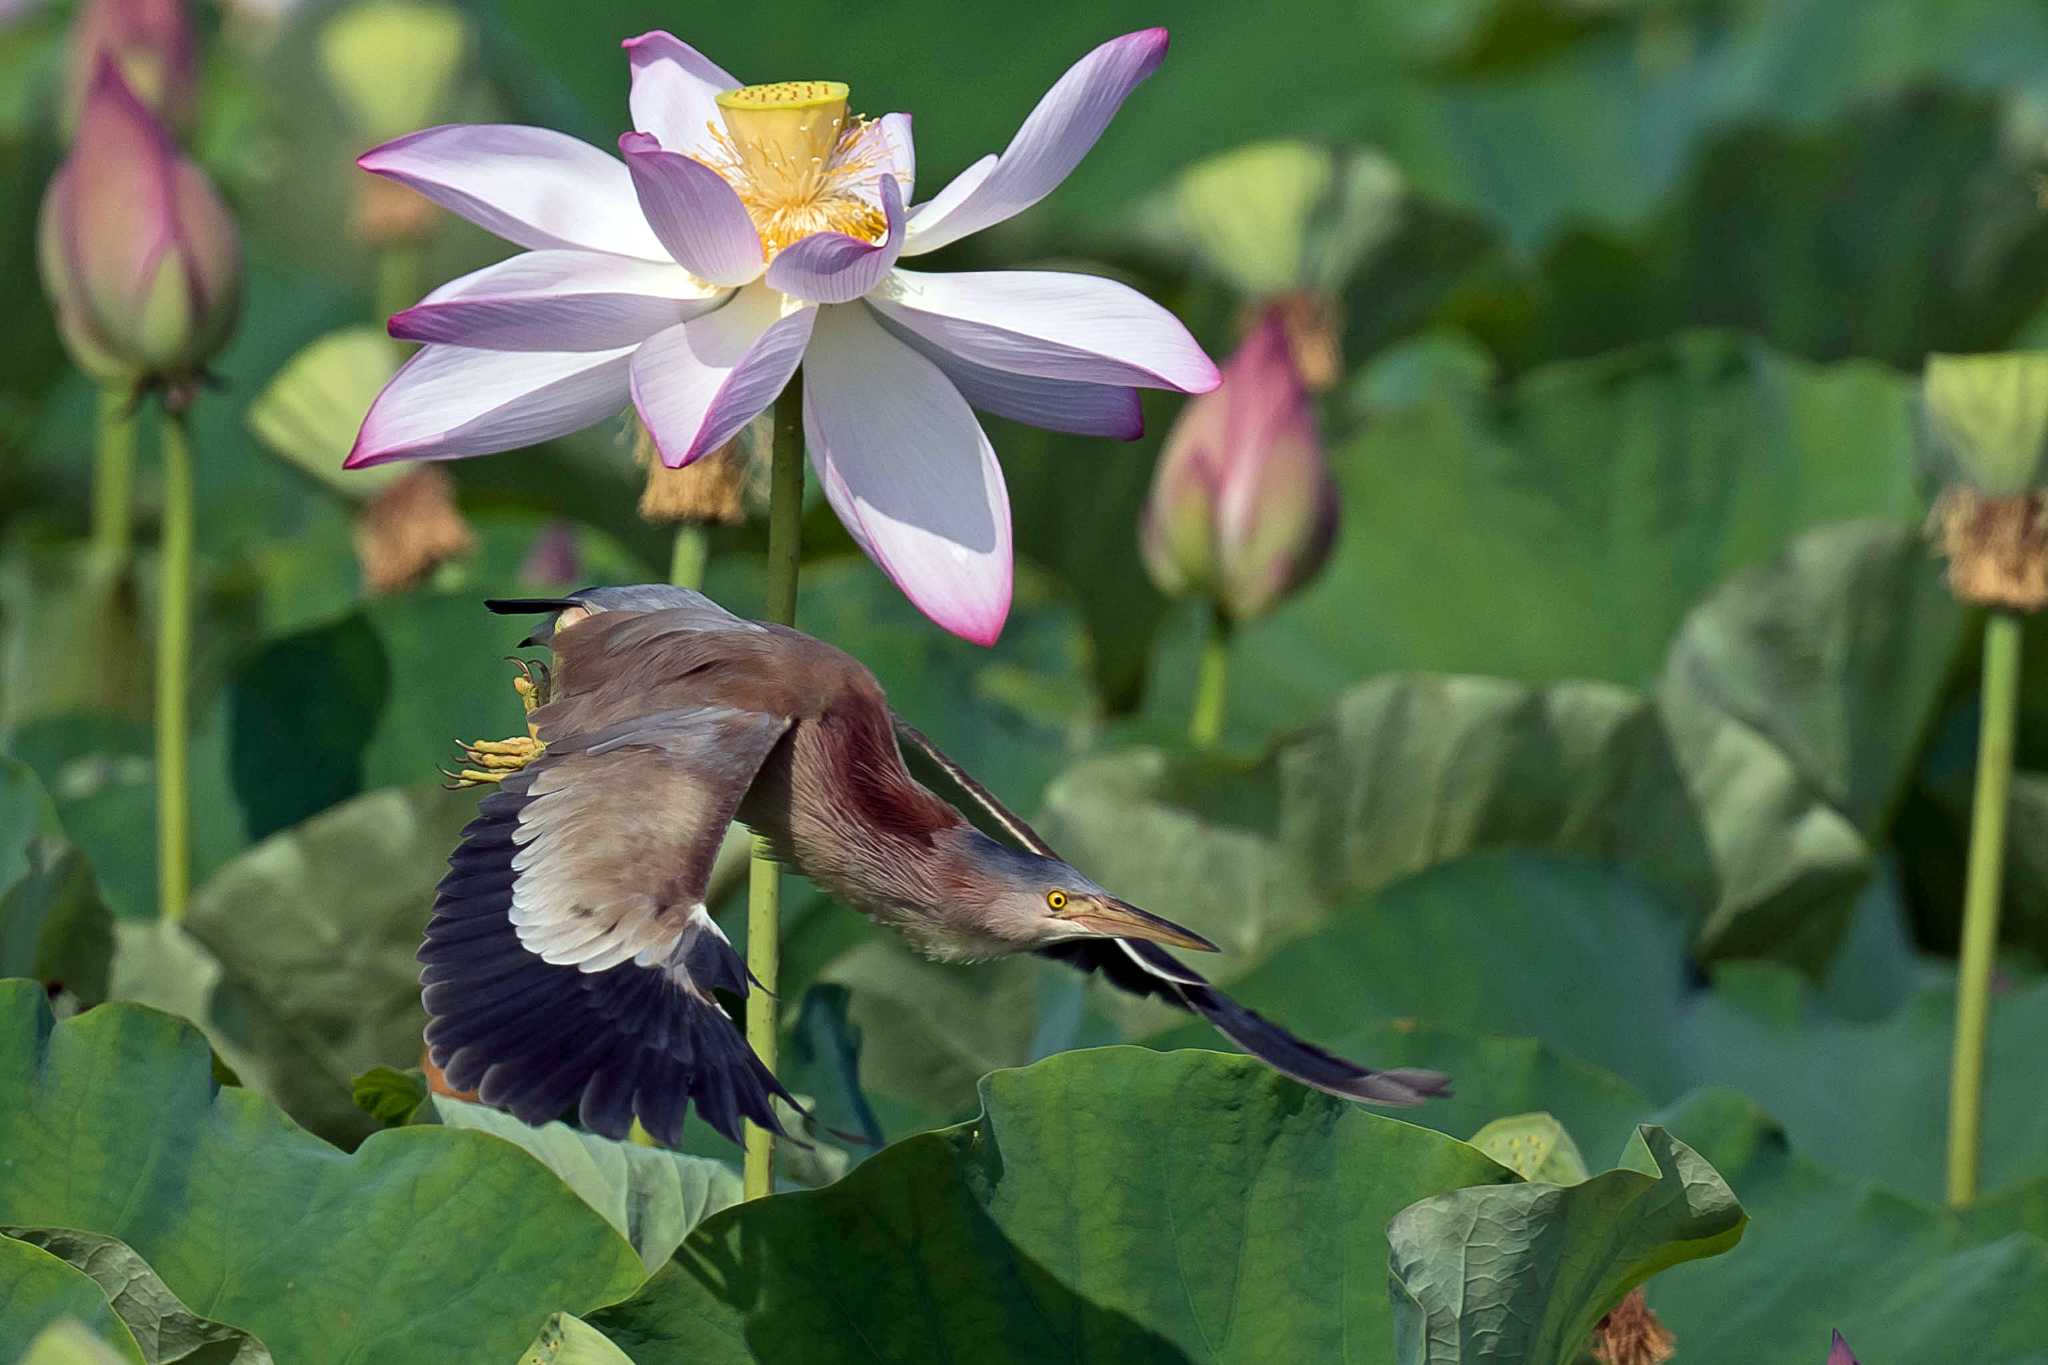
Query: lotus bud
column 152, row 45
column 139, row 256
column 1986, row 419
column 1242, row 507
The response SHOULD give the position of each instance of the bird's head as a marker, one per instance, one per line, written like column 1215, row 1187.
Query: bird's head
column 1028, row 900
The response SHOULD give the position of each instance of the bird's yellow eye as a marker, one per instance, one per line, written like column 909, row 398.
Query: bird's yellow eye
column 1056, row 899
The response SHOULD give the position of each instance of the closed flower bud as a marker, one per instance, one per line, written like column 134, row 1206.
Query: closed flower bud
column 139, row 256
column 1242, row 507
column 152, row 45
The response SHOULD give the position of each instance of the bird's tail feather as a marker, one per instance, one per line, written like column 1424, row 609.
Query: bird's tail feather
column 536, row 1038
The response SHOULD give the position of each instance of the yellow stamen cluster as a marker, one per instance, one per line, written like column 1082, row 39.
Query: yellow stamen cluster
column 795, row 159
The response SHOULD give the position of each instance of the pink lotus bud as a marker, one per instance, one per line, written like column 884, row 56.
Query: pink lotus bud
column 139, row 256
column 1243, row 507
column 149, row 41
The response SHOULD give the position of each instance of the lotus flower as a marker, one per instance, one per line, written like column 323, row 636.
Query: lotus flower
column 138, row 254
column 752, row 228
column 1242, row 506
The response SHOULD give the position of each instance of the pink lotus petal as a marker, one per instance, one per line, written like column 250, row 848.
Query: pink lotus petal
column 832, row 267
column 1054, row 404
column 558, row 301
column 449, row 401
column 1049, row 144
column 698, row 383
column 1051, row 325
column 951, row 197
column 895, row 130
column 1839, row 1352
column 532, row 186
column 909, row 471
column 675, row 90
column 698, row 218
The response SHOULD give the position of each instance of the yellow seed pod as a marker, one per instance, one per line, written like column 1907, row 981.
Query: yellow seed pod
column 393, row 64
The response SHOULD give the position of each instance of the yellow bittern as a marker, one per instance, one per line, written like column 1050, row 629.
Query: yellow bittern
column 571, row 960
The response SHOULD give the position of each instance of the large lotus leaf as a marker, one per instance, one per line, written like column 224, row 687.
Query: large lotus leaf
column 38, row 1290
column 1584, row 959
column 1108, row 1205
column 53, row 925
column 70, row 635
column 1838, row 652
column 1812, row 241
column 1868, row 1097
column 67, row 1341
column 1934, row 841
column 1413, row 770
column 318, row 976
column 569, row 1340
column 1790, row 715
column 1523, row 1272
column 1563, row 526
column 168, row 1332
column 100, row 771
column 652, row 1197
column 428, row 1243
column 1826, row 1252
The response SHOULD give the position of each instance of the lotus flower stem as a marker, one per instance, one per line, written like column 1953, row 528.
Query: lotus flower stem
column 173, row 668
column 1211, row 684
column 1980, row 901
column 764, row 886
column 687, row 560
column 113, row 479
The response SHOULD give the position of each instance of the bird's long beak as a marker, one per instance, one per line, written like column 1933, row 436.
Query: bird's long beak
column 1117, row 919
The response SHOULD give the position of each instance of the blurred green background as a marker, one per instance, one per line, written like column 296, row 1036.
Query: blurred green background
column 1619, row 759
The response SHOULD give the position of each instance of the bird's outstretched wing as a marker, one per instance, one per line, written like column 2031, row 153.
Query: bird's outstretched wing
column 570, row 959
column 1148, row 970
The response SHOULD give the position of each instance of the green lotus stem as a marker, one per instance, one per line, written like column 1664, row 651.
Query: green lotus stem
column 1211, row 684
column 687, row 560
column 173, row 670
column 1980, row 902
column 398, row 278
column 113, row 479
column 764, row 881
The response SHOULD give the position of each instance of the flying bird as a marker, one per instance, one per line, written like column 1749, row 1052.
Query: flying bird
column 571, row 960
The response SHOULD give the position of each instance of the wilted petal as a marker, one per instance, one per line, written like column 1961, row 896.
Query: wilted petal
column 697, row 384
column 909, row 471
column 1054, row 326
column 531, row 186
column 449, row 401
column 1048, row 146
column 1055, row 404
column 558, row 301
column 832, row 267
column 700, row 221
column 675, row 90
